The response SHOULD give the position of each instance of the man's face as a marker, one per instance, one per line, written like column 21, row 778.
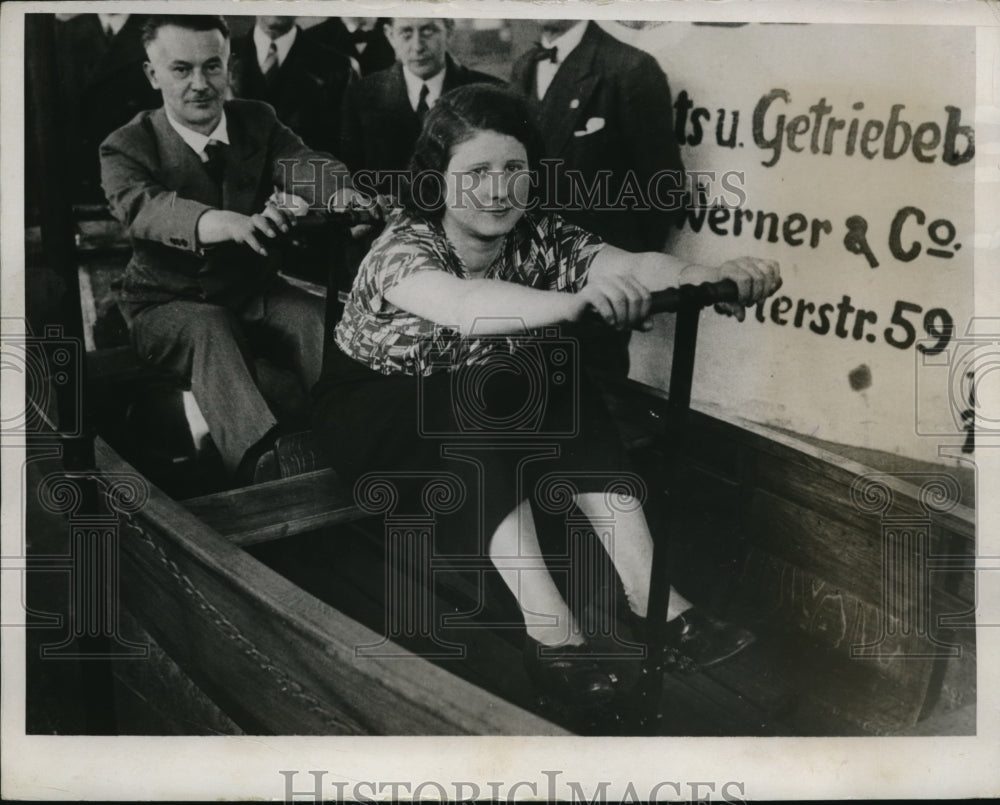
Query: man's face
column 275, row 26
column 191, row 69
column 420, row 44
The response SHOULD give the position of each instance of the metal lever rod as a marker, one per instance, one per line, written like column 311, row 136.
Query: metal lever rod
column 687, row 301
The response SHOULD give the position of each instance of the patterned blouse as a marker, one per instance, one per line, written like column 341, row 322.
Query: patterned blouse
column 542, row 251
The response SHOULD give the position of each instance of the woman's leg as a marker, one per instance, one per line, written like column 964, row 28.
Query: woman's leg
column 630, row 549
column 701, row 640
column 552, row 658
column 515, row 553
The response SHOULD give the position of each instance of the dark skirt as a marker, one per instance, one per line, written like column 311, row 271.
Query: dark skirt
column 465, row 447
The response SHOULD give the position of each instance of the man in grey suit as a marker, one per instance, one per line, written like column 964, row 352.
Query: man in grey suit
column 192, row 181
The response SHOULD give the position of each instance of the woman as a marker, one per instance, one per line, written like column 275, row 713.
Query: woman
column 439, row 312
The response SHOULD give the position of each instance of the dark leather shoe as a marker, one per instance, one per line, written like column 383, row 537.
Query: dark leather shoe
column 568, row 674
column 706, row 641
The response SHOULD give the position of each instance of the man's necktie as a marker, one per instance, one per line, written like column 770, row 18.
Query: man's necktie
column 215, row 165
column 270, row 67
column 544, row 54
column 422, row 106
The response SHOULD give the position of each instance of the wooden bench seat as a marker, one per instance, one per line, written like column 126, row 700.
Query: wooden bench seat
column 276, row 509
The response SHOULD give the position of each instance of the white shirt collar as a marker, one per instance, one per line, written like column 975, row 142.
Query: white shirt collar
column 413, row 84
column 262, row 42
column 116, row 21
column 566, row 41
column 196, row 139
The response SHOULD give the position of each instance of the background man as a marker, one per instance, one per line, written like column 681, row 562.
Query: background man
column 303, row 80
column 359, row 38
column 101, row 87
column 384, row 112
column 604, row 109
column 191, row 182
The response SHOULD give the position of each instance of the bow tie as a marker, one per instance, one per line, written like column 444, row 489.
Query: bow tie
column 544, row 54
column 358, row 35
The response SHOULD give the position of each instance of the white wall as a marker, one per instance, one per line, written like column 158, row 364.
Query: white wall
column 789, row 375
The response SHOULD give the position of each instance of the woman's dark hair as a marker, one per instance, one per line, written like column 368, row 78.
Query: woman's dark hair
column 193, row 22
column 456, row 117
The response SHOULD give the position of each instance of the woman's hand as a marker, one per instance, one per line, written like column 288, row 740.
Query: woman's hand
column 755, row 278
column 618, row 297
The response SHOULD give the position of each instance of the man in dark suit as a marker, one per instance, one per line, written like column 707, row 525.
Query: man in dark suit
column 359, row 38
column 101, row 87
column 303, row 80
column 383, row 113
column 604, row 109
column 193, row 181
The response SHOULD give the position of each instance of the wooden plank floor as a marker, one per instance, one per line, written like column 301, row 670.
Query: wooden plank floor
column 782, row 685
column 345, row 567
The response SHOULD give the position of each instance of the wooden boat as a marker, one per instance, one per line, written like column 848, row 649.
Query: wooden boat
column 821, row 553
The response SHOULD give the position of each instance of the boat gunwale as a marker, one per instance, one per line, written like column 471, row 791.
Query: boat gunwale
column 419, row 680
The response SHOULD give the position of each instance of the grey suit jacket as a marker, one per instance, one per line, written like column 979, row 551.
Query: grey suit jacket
column 158, row 188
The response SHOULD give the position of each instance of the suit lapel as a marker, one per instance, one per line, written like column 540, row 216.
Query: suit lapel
column 522, row 77
column 244, row 166
column 454, row 75
column 250, row 76
column 567, row 96
column 93, row 41
column 121, row 50
column 399, row 103
column 398, row 99
column 181, row 166
column 295, row 71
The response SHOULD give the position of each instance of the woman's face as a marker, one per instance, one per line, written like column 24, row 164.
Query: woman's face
column 487, row 185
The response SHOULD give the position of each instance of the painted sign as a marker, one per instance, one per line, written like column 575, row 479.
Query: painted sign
column 846, row 153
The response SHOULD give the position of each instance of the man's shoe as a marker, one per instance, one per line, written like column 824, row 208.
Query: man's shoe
column 246, row 472
column 568, row 674
column 706, row 641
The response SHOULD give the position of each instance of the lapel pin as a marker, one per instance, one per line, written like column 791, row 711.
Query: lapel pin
column 573, row 104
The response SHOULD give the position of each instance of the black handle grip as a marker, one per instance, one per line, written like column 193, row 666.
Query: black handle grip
column 696, row 296
column 338, row 219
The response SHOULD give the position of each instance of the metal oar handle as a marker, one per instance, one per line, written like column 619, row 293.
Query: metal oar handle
column 339, row 219
column 694, row 296
column 690, row 298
